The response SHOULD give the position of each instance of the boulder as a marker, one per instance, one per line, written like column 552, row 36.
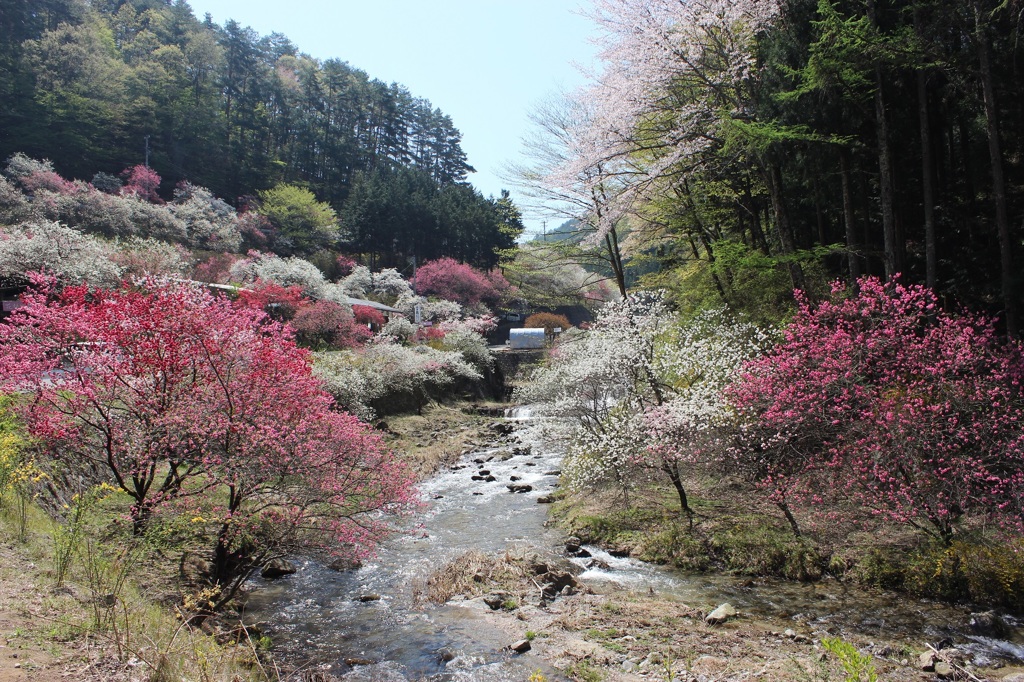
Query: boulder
column 522, row 646
column 572, row 544
column 496, row 600
column 546, row 499
column 926, row 661
column 989, row 624
column 277, row 568
column 943, row 669
column 519, row 487
column 721, row 614
column 343, row 564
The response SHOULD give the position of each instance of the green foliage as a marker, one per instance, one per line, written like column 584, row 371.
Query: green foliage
column 983, row 570
column 857, row 666
column 584, row 671
column 306, row 224
column 69, row 535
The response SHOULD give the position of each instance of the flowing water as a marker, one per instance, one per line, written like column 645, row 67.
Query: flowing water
column 327, row 617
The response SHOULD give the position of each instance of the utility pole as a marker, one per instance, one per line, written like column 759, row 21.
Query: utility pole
column 147, row 151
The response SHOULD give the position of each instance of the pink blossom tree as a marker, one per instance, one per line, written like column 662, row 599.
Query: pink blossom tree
column 143, row 182
column 884, row 399
column 453, row 281
column 190, row 404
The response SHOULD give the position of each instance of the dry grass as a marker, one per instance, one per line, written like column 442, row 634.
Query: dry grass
column 475, row 573
column 435, row 438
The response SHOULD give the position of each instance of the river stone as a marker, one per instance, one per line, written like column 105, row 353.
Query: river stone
column 989, row 623
column 353, row 662
column 572, row 544
column 926, row 661
column 553, row 472
column 496, row 600
column 721, row 614
column 546, row 499
column 519, row 487
column 343, row 564
column 484, row 472
column 522, row 646
column 943, row 669
column 277, row 568
column 368, row 597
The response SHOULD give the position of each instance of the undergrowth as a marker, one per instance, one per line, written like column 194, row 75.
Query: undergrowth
column 980, row 567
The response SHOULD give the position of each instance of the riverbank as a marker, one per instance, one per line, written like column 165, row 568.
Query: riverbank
column 79, row 632
column 599, row 631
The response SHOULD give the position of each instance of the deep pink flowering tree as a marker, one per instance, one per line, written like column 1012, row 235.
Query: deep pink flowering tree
column 190, row 404
column 453, row 281
column 886, row 400
column 143, row 182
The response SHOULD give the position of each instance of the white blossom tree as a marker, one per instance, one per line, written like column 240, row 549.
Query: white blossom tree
column 640, row 390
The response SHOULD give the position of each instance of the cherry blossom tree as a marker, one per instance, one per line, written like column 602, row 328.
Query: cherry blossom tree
column 884, row 399
column 640, row 390
column 190, row 404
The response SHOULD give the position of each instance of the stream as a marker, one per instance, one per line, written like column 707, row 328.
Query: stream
column 367, row 624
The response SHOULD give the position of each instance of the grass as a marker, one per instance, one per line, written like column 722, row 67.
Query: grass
column 733, row 535
column 100, row 606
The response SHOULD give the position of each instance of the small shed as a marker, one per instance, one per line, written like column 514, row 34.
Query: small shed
column 525, row 338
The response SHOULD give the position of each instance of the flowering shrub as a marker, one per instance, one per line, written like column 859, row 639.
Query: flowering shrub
column 639, row 390
column 142, row 257
column 279, row 302
column 883, row 398
column 368, row 316
column 211, row 223
column 189, row 404
column 453, row 281
column 383, row 372
column 142, row 182
column 287, row 272
column 65, row 253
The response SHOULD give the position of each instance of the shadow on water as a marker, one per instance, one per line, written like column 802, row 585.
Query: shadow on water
column 369, row 623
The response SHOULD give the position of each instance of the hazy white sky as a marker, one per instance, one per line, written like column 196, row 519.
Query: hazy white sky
column 485, row 63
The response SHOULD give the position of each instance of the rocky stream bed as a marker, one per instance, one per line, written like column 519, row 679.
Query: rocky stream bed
column 479, row 587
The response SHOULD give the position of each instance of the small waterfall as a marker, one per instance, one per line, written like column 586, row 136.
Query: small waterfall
column 519, row 412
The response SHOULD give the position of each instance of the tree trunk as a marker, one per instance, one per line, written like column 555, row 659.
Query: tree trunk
column 615, row 258
column 892, row 250
column 927, row 173
column 998, row 178
column 672, row 469
column 789, row 517
column 782, row 227
column 849, row 221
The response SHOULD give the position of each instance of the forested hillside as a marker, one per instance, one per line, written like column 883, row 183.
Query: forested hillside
column 101, row 86
column 751, row 147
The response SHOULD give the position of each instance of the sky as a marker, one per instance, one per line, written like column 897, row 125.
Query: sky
column 485, row 63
